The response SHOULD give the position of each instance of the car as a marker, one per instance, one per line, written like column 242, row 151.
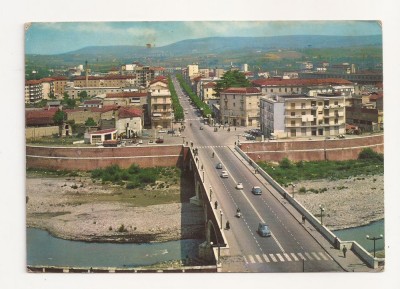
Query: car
column 224, row 174
column 239, row 186
column 250, row 137
column 219, row 166
column 151, row 141
column 256, row 190
column 159, row 140
column 263, row 230
column 162, row 131
column 140, row 142
column 171, row 131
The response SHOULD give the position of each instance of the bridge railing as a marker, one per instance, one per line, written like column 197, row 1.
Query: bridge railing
column 331, row 237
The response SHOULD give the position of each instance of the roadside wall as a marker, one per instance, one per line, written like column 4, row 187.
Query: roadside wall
column 312, row 150
column 90, row 158
column 37, row 132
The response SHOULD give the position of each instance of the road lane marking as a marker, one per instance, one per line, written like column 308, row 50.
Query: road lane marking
column 287, row 257
column 316, row 256
column 323, row 255
column 259, row 259
column 273, row 257
column 265, row 258
column 251, row 259
column 280, row 257
column 301, row 256
column 308, row 256
column 294, row 256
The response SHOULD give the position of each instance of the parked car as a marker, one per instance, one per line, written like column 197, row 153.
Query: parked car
column 219, row 166
column 159, row 140
column 263, row 230
column 224, row 174
column 171, row 131
column 256, row 190
column 239, row 186
column 162, row 131
column 250, row 137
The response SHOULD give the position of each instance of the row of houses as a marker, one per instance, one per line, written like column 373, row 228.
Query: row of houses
column 126, row 112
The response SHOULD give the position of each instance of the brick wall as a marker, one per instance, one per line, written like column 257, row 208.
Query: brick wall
column 89, row 158
column 312, row 150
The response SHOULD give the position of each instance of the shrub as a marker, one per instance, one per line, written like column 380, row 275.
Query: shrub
column 122, row 229
column 132, row 185
column 285, row 163
column 134, row 169
column 302, row 190
column 369, row 154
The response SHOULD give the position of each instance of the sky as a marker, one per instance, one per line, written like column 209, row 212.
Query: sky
column 60, row 37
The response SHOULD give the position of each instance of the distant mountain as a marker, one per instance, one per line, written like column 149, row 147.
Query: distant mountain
column 216, row 45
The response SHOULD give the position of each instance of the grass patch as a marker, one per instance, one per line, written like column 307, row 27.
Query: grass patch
column 287, row 172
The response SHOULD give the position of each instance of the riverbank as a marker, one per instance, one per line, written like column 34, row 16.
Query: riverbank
column 348, row 203
column 80, row 209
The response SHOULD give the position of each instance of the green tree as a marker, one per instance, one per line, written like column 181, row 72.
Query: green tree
column 82, row 95
column 231, row 79
column 90, row 122
column 58, row 119
column 68, row 102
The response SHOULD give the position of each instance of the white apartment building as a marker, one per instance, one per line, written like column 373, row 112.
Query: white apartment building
column 239, row 106
column 302, row 116
column 160, row 107
column 192, row 70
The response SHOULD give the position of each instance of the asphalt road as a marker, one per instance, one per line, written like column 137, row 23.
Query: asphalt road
column 290, row 248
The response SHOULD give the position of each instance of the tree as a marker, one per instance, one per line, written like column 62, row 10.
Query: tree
column 231, row 79
column 58, row 119
column 83, row 95
column 90, row 122
column 68, row 102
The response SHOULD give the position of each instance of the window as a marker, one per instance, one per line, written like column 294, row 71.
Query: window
column 234, row 104
column 292, row 123
column 292, row 113
column 303, row 113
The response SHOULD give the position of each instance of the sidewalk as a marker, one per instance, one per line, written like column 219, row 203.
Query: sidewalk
column 352, row 263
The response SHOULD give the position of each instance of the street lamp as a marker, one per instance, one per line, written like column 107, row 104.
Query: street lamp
column 374, row 239
column 210, row 193
column 220, row 212
column 321, row 207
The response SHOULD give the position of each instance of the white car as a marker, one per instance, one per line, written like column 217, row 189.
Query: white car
column 162, row 131
column 239, row 186
column 224, row 174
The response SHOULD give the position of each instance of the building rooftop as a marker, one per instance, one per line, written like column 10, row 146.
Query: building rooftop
column 299, row 82
column 126, row 94
column 241, row 90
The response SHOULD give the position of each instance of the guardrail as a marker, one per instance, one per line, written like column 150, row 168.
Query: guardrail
column 331, row 237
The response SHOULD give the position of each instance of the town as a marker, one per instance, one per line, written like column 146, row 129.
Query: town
column 242, row 166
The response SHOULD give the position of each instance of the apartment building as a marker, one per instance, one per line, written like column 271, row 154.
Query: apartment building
column 74, row 92
column 278, row 86
column 59, row 82
column 105, row 81
column 160, row 107
column 192, row 70
column 33, row 91
column 126, row 99
column 207, row 93
column 299, row 115
column 239, row 106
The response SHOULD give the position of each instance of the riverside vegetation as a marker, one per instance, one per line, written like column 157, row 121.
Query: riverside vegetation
column 352, row 191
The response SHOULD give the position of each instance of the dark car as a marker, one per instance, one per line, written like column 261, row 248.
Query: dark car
column 171, row 131
column 219, row 166
column 263, row 230
column 256, row 190
column 159, row 140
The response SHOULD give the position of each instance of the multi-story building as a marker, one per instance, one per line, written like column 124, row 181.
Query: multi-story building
column 105, row 81
column 192, row 70
column 160, row 107
column 33, row 91
column 74, row 92
column 47, row 88
column 126, row 99
column 60, row 82
column 129, row 122
column 239, row 106
column 278, row 86
column 207, row 94
column 297, row 115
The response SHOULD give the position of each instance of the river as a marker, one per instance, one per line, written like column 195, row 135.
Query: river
column 358, row 234
column 46, row 250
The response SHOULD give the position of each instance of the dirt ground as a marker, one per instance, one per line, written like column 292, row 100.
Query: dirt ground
column 78, row 209
column 348, row 203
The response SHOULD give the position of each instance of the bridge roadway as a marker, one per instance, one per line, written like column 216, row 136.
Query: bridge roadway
column 289, row 244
